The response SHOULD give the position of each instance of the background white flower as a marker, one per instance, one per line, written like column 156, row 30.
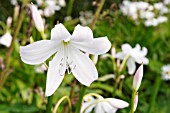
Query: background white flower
column 6, row 39
column 137, row 55
column 69, row 55
column 102, row 105
column 51, row 6
column 166, row 72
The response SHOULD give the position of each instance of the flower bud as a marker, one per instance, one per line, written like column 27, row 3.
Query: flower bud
column 95, row 59
column 113, row 52
column 135, row 102
column 9, row 21
column 138, row 78
column 37, row 18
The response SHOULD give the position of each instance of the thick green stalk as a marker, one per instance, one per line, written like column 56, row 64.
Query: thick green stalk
column 154, row 94
column 49, row 104
column 97, row 13
column 82, row 91
column 70, row 7
column 132, row 101
column 10, row 50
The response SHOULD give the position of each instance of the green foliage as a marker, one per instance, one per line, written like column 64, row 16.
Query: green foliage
column 23, row 91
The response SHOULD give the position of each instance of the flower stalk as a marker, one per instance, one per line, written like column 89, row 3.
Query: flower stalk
column 82, row 91
column 49, row 104
column 97, row 13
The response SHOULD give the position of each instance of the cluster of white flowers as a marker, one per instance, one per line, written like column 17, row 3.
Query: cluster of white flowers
column 149, row 14
column 86, row 17
column 50, row 6
column 166, row 72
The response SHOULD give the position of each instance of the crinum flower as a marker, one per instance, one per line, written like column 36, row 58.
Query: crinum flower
column 69, row 56
column 136, row 55
column 102, row 105
column 166, row 72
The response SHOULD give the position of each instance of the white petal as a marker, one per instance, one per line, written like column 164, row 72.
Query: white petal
column 120, row 55
column 97, row 46
column 117, row 103
column 126, row 48
column 84, row 69
column 108, row 108
column 54, row 78
column 131, row 66
column 6, row 39
column 81, row 33
column 87, row 104
column 59, row 32
column 140, row 60
column 99, row 108
column 38, row 52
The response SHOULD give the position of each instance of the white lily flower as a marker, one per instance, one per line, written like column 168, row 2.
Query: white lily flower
column 69, row 56
column 137, row 55
column 37, row 18
column 6, row 39
column 102, row 105
column 166, row 72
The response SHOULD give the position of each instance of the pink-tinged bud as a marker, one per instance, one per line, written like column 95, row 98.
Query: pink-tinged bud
column 37, row 18
column 95, row 59
column 138, row 78
column 9, row 21
column 135, row 102
column 113, row 52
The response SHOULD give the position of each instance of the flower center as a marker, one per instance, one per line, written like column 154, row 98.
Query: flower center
column 66, row 64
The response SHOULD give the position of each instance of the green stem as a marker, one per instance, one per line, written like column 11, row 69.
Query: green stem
column 49, row 104
column 82, row 91
column 10, row 50
column 97, row 14
column 115, row 86
column 70, row 7
column 124, row 63
column 154, row 94
column 132, row 101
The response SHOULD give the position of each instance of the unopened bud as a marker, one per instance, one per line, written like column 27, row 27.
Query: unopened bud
column 95, row 59
column 37, row 18
column 135, row 102
column 138, row 78
column 113, row 52
column 16, row 12
column 9, row 21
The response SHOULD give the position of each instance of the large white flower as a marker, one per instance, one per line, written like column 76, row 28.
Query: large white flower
column 69, row 55
column 136, row 55
column 102, row 105
column 166, row 72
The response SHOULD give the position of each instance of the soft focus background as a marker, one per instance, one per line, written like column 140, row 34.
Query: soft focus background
column 23, row 90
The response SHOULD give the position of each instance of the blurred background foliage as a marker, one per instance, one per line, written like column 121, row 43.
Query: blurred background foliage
column 23, row 91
